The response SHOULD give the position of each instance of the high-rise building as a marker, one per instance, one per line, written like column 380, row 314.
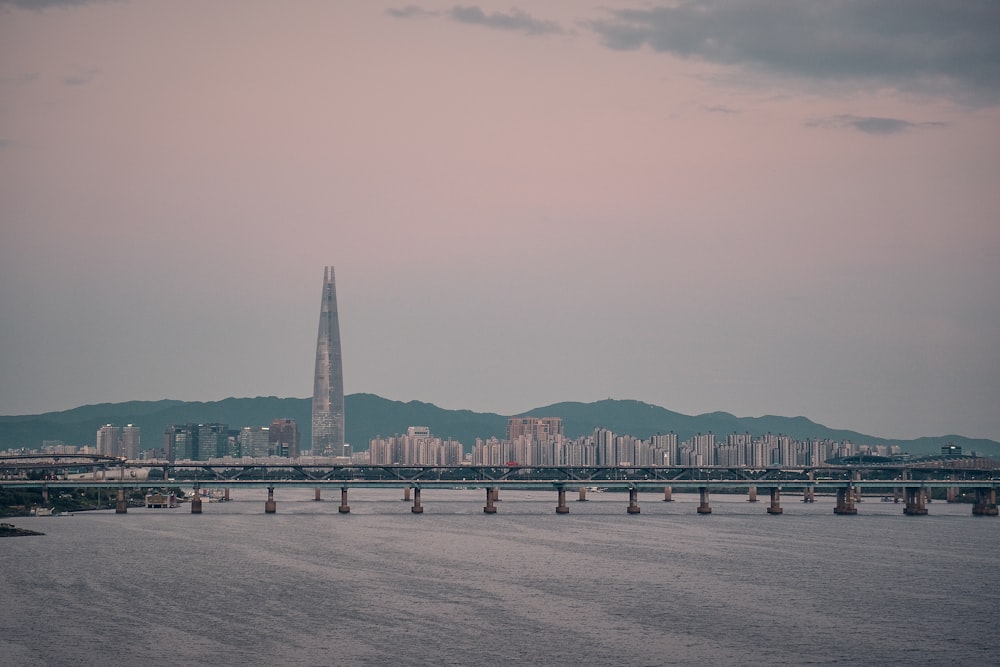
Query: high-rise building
column 131, row 441
column 109, row 440
column 328, row 381
column 283, row 438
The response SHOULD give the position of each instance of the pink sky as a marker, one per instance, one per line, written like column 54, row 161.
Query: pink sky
column 713, row 210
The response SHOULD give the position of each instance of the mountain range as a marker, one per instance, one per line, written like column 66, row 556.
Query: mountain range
column 369, row 416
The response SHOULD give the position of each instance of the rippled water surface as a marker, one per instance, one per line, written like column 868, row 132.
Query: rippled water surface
column 382, row 586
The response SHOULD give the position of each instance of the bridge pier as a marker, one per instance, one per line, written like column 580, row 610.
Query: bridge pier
column 561, row 508
column 417, row 507
column 633, row 501
column 752, row 494
column 809, row 495
column 318, row 495
column 45, row 495
column 344, row 507
column 914, row 501
column 668, row 494
column 845, row 501
column 775, row 507
column 196, row 501
column 270, row 507
column 406, row 494
column 490, row 508
column 583, row 495
column 703, row 506
column 121, row 507
column 225, row 494
column 986, row 503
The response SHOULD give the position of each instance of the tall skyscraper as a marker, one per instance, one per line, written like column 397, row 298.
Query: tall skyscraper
column 328, row 385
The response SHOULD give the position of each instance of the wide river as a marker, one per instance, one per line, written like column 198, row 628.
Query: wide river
column 382, row 586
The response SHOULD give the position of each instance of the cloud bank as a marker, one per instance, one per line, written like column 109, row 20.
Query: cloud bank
column 921, row 46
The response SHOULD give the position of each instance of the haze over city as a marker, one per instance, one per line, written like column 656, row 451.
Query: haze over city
column 756, row 207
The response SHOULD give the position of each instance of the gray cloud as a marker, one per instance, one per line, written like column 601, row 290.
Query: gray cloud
column 872, row 124
column 515, row 20
column 409, row 12
column 81, row 77
column 42, row 5
column 950, row 48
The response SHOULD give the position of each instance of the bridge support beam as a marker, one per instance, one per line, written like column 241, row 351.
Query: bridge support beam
column 583, row 495
column 561, row 507
column 270, row 507
column 196, row 501
column 318, row 495
column 914, row 501
column 225, row 494
column 668, row 494
column 490, row 507
column 344, row 507
column 752, row 494
column 775, row 507
column 633, row 501
column 417, row 507
column 703, row 506
column 986, row 503
column 121, row 507
column 845, row 501
column 406, row 494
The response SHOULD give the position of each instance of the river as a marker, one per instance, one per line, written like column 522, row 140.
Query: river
column 382, row 586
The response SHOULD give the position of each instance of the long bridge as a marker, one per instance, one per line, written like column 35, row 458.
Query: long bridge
column 911, row 482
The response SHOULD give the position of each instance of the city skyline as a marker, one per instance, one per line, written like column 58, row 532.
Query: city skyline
column 758, row 208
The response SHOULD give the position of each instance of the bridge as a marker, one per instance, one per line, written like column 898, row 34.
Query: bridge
column 911, row 482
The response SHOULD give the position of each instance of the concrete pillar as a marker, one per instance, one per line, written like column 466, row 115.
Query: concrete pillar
column 196, row 501
column 166, row 473
column 496, row 494
column 406, row 494
column 951, row 493
column 344, row 507
column 561, row 508
column 583, row 495
column 417, row 507
column 809, row 495
column 45, row 495
column 121, row 507
column 703, row 506
column 752, row 494
column 318, row 495
column 845, row 501
column 225, row 494
column 490, row 499
column 633, row 501
column 986, row 503
column 775, row 507
column 914, row 501
column 668, row 494
column 270, row 507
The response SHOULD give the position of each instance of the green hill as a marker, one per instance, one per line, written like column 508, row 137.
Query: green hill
column 370, row 416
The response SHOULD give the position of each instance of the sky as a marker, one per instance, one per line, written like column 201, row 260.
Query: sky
column 754, row 206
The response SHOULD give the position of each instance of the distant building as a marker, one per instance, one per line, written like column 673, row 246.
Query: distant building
column 254, row 440
column 131, row 441
column 951, row 450
column 539, row 428
column 283, row 438
column 197, row 442
column 109, row 440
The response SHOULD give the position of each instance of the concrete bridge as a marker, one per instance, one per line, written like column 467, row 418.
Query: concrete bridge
column 908, row 483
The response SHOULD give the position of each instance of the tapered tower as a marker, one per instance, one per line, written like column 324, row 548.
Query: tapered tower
column 328, row 385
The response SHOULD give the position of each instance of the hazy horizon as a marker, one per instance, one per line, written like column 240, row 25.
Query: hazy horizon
column 755, row 207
